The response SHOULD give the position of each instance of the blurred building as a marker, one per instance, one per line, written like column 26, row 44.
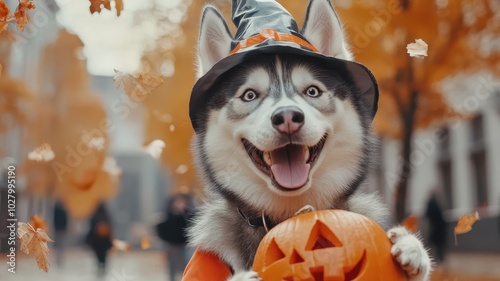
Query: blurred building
column 461, row 161
column 23, row 65
column 144, row 184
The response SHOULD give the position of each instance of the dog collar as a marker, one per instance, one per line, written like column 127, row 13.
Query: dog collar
column 260, row 221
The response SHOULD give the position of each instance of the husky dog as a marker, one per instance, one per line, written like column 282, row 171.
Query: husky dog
column 284, row 131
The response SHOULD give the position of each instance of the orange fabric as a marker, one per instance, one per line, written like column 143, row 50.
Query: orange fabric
column 270, row 33
column 205, row 266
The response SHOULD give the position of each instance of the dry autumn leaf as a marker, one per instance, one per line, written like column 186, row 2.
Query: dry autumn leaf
column 118, row 7
column 43, row 153
column 155, row 148
column 4, row 15
column 38, row 222
column 136, row 87
column 95, row 5
column 20, row 14
column 411, row 223
column 35, row 241
column 111, row 167
column 96, row 143
column 465, row 223
column 417, row 49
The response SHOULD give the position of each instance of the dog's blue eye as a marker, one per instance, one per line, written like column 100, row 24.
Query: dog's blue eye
column 249, row 95
column 313, row 91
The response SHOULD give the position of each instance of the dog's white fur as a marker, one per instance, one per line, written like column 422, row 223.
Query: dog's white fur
column 337, row 165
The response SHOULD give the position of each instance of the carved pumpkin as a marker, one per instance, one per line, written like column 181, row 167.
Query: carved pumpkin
column 329, row 245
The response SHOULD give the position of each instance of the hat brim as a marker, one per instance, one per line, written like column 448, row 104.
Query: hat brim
column 362, row 76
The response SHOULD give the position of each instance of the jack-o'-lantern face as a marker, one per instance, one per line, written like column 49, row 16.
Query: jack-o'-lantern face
column 330, row 245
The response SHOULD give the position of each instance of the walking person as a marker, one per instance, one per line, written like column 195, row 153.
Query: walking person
column 60, row 227
column 99, row 237
column 437, row 227
column 173, row 231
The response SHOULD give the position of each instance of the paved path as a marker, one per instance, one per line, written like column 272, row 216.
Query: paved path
column 79, row 265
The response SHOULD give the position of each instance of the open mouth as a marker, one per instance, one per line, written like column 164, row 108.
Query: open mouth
column 287, row 166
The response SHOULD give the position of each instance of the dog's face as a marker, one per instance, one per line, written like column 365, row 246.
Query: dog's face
column 283, row 125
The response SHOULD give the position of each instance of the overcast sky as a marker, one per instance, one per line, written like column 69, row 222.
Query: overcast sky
column 111, row 42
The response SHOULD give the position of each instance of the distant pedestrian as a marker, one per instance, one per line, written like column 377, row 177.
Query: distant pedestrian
column 60, row 227
column 173, row 231
column 437, row 227
column 99, row 237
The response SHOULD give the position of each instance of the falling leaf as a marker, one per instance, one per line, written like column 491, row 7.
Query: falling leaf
column 145, row 243
column 138, row 86
column 411, row 223
column 43, row 153
column 181, row 169
column 172, row 128
column 4, row 15
column 465, row 223
column 95, row 5
column 96, row 143
column 38, row 222
column 417, row 49
column 165, row 118
column 110, row 166
column 155, row 148
column 35, row 241
column 118, row 7
column 20, row 14
column 120, row 245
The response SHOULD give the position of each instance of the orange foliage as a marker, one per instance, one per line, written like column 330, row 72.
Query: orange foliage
column 19, row 16
column 97, row 5
column 4, row 14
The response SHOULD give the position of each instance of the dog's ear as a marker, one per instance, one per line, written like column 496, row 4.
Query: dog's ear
column 322, row 28
column 215, row 39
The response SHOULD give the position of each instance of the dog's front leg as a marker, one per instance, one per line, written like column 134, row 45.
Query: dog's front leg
column 410, row 253
column 245, row 276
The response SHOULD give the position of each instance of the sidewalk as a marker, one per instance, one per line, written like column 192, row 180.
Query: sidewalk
column 469, row 267
column 79, row 265
column 151, row 265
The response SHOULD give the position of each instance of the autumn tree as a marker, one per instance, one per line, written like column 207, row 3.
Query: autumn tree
column 457, row 34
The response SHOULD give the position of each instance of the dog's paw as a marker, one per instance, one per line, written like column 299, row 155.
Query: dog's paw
column 410, row 253
column 245, row 276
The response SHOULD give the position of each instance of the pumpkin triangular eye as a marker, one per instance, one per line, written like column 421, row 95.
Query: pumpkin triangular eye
column 318, row 273
column 322, row 237
column 274, row 253
column 295, row 257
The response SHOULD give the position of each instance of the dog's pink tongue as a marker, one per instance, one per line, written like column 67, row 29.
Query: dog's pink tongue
column 289, row 166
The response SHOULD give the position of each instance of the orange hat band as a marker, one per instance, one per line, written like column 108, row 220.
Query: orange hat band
column 270, row 33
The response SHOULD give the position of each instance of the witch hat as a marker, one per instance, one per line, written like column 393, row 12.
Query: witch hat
column 266, row 27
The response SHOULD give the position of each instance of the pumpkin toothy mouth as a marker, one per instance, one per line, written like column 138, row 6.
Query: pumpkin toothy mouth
column 287, row 166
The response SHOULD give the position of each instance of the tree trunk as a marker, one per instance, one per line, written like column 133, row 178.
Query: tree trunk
column 408, row 117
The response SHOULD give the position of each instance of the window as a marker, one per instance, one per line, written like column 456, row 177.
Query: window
column 478, row 161
column 445, row 166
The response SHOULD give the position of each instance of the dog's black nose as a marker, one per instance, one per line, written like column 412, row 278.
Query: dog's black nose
column 287, row 119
